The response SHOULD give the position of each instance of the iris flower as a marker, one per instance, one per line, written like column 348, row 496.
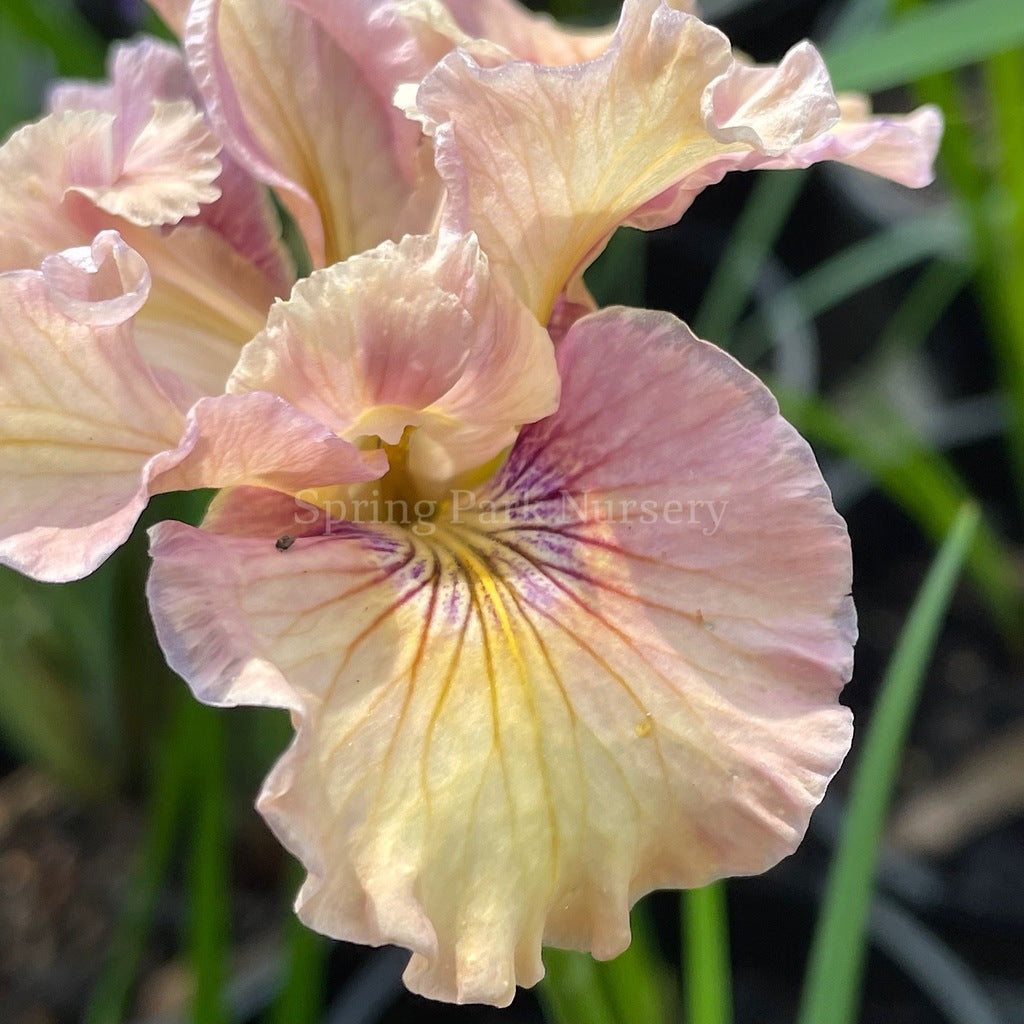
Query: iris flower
column 558, row 602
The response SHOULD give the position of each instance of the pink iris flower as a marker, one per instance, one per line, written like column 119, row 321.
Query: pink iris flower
column 558, row 602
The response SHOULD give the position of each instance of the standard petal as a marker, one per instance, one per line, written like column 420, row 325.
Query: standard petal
column 772, row 109
column 414, row 335
column 157, row 160
column 259, row 440
column 545, row 163
column 518, row 715
column 328, row 138
column 81, row 415
column 167, row 171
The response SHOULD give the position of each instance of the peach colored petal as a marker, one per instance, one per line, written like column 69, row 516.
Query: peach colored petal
column 772, row 109
column 173, row 13
column 147, row 70
column 88, row 432
column 544, row 163
column 214, row 275
column 81, row 416
column 328, row 137
column 518, row 716
column 419, row 335
column 259, row 511
column 259, row 440
column 521, row 33
column 139, row 148
column 902, row 148
column 166, row 173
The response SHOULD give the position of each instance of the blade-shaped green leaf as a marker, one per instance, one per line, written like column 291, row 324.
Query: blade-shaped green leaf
column 936, row 37
column 571, row 990
column 631, row 989
column 707, row 971
column 831, row 992
column 108, row 1003
column 918, row 479
column 209, row 884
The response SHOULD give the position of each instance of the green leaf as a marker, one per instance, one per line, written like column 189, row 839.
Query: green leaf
column 832, row 988
column 209, row 882
column 707, row 970
column 1000, row 219
column 571, row 991
column 45, row 720
column 56, row 669
column 634, row 982
column 302, row 995
column 108, row 1003
column 631, row 989
column 918, row 479
column 933, row 38
column 619, row 275
column 761, row 222
column 878, row 257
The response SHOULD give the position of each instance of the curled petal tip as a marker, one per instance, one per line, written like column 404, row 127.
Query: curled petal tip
column 769, row 108
column 101, row 285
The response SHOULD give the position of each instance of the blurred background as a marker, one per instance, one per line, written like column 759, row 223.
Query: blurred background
column 138, row 884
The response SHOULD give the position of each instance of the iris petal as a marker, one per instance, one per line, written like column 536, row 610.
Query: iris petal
column 327, row 138
column 418, row 334
column 516, row 716
column 65, row 179
column 81, row 415
column 544, row 163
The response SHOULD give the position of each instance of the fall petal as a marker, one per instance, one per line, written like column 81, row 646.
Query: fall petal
column 902, row 148
column 325, row 138
column 213, row 276
column 81, row 416
column 544, row 163
column 517, row 716
column 417, row 334
column 770, row 108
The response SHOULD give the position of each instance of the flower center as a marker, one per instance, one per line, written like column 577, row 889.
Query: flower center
column 405, row 495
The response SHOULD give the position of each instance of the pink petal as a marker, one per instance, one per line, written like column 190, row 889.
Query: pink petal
column 772, row 109
column 328, row 139
column 537, row 38
column 147, row 70
column 173, row 13
column 521, row 713
column 258, row 511
column 160, row 162
column 81, row 416
column 545, row 163
column 258, row 440
column 214, row 276
column 902, row 148
column 417, row 334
